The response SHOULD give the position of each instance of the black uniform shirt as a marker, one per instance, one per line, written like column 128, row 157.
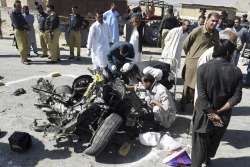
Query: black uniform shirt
column 42, row 20
column 52, row 22
column 18, row 21
column 75, row 22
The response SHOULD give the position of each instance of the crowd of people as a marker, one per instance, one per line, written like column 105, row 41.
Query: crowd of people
column 213, row 45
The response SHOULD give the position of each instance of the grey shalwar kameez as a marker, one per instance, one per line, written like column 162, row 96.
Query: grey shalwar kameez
column 31, row 33
column 218, row 82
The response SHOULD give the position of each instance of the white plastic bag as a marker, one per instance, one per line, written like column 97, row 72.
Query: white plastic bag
column 150, row 139
column 169, row 144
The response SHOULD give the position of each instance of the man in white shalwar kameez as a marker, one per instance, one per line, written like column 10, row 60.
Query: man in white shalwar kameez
column 135, row 38
column 29, row 18
column 174, row 44
column 99, row 40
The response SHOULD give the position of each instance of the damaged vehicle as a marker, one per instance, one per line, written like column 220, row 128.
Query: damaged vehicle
column 95, row 107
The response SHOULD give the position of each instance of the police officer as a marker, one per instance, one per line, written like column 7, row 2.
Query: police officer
column 76, row 23
column 21, row 27
column 53, row 34
column 42, row 36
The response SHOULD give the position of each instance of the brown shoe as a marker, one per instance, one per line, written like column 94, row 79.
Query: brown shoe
column 26, row 63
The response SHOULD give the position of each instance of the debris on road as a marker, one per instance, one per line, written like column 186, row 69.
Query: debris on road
column 4, row 110
column 178, row 158
column 55, row 74
column 2, row 84
column 19, row 92
column 124, row 150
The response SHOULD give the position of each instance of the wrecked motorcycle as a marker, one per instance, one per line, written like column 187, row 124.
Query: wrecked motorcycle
column 94, row 107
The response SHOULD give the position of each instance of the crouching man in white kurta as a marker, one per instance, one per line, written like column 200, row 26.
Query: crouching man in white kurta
column 99, row 40
column 157, row 97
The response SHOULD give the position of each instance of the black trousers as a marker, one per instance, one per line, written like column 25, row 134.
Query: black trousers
column 205, row 145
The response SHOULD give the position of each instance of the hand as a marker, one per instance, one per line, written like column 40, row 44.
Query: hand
column 155, row 103
column 113, row 68
column 216, row 120
column 88, row 52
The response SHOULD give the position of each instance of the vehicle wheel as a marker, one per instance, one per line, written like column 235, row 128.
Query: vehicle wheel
column 104, row 134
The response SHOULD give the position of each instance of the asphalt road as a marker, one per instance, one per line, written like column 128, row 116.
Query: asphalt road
column 18, row 113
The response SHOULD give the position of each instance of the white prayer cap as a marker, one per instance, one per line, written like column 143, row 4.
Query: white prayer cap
column 155, row 72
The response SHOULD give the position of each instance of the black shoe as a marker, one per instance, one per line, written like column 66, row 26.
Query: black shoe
column 71, row 57
column 51, row 62
column 42, row 56
column 208, row 161
column 59, row 59
column 28, row 60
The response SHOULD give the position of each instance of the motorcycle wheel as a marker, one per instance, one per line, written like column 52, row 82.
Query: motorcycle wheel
column 104, row 134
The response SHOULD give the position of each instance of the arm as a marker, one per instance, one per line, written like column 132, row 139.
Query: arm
column 189, row 41
column 205, row 105
column 110, row 57
column 161, row 25
column 235, row 99
column 32, row 19
column 109, row 34
column 90, row 37
column 130, row 88
column 55, row 23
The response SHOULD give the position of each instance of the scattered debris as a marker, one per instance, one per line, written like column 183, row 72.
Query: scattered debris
column 178, row 158
column 4, row 110
column 19, row 92
column 124, row 150
column 56, row 74
column 2, row 84
column 20, row 105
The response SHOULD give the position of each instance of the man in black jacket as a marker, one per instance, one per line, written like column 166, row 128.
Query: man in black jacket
column 53, row 34
column 168, row 22
column 20, row 27
column 119, row 54
column 75, row 25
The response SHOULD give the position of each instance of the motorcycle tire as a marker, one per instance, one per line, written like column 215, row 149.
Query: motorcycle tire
column 104, row 134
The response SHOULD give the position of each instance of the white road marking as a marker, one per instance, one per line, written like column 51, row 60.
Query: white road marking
column 37, row 77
